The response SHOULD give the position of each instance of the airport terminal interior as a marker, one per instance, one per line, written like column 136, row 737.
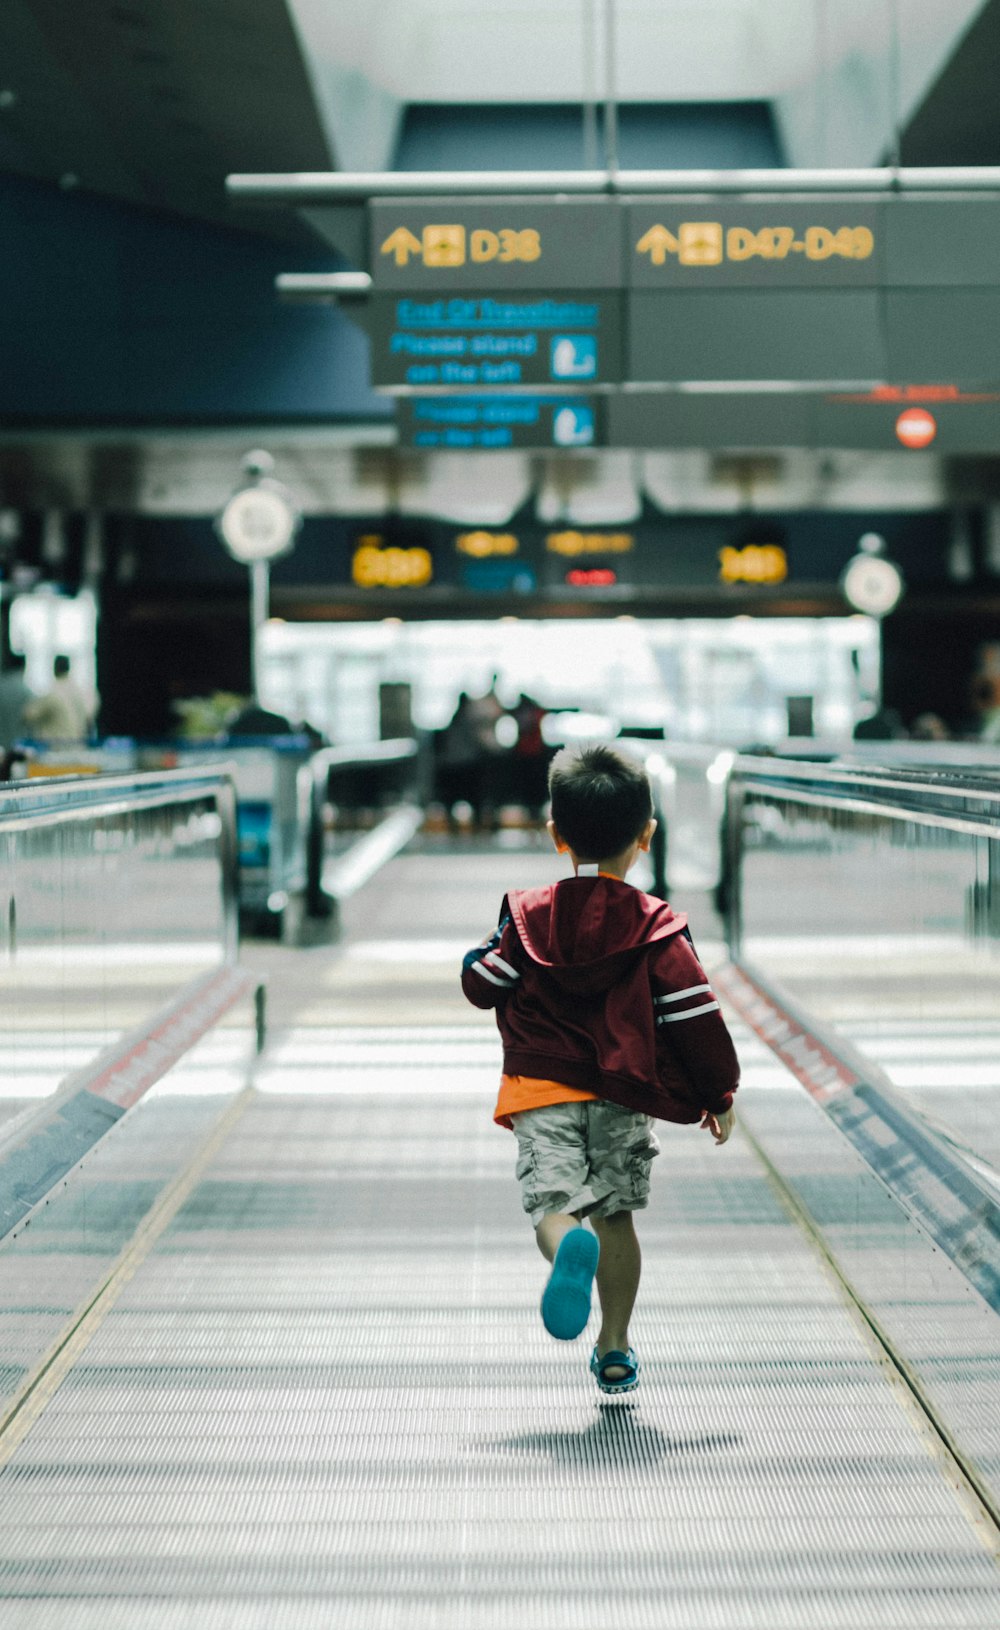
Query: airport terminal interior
column 396, row 399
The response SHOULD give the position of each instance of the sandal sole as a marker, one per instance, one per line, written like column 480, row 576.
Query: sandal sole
column 566, row 1298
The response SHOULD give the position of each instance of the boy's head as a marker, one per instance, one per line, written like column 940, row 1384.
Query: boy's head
column 601, row 801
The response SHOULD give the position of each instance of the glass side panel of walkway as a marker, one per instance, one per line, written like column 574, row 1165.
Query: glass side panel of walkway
column 320, row 1397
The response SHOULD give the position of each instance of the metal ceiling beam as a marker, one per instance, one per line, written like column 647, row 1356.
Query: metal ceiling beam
column 329, row 286
column 318, row 187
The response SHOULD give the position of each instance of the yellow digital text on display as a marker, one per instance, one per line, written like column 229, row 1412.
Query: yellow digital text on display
column 376, row 567
column 754, row 563
column 572, row 543
column 448, row 246
column 486, row 545
column 709, row 243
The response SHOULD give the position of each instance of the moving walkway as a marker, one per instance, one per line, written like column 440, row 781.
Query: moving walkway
column 272, row 1355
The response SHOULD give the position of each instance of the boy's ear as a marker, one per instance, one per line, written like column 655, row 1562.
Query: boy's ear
column 562, row 847
column 647, row 836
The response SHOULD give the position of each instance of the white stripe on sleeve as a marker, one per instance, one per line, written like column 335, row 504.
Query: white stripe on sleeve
column 692, row 1013
column 678, row 996
column 494, row 978
column 505, row 967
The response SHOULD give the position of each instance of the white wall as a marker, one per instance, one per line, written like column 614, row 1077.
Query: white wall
column 827, row 65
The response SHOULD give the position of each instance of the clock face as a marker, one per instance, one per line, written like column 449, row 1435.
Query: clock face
column 872, row 585
column 258, row 523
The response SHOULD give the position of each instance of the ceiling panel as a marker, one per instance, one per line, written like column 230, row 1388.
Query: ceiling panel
column 156, row 101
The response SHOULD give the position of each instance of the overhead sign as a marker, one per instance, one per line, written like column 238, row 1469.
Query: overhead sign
column 488, row 244
column 682, row 244
column 966, row 422
column 483, row 422
column 828, row 287
column 560, row 339
column 662, row 562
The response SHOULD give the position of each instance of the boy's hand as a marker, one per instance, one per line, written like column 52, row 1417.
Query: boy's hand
column 720, row 1125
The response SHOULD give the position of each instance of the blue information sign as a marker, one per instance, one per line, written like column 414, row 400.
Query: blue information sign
column 562, row 340
column 500, row 420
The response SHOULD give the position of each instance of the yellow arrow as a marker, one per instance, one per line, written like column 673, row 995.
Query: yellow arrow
column 656, row 243
column 402, row 244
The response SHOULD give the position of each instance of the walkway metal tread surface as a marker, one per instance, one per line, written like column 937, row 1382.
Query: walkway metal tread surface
column 326, row 1399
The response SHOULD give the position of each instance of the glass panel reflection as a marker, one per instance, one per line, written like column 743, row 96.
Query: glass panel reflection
column 109, row 906
column 887, row 925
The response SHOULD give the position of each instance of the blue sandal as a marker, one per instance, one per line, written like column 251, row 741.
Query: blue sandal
column 611, row 1361
column 566, row 1297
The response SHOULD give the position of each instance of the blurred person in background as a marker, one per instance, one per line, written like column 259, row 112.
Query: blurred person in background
column 14, row 699
column 531, row 756
column 986, row 699
column 458, row 756
column 985, row 694
column 885, row 724
column 929, row 727
column 485, row 713
column 65, row 713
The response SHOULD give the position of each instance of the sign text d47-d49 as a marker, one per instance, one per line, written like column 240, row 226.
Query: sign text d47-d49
column 709, row 243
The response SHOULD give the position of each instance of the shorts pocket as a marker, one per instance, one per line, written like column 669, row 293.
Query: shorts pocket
column 527, row 1176
column 638, row 1161
column 525, row 1164
column 638, row 1170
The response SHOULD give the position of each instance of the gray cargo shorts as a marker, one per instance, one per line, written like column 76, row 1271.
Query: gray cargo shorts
column 590, row 1158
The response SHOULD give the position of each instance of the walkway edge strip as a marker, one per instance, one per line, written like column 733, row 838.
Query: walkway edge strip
column 39, row 1388
column 941, row 1193
column 980, row 1502
column 40, row 1150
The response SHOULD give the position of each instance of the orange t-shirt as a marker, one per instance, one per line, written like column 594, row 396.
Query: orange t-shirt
column 519, row 1092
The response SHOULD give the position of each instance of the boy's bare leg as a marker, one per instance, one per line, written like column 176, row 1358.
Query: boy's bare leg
column 618, row 1274
column 551, row 1229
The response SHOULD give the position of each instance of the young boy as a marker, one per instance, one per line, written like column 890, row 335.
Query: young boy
column 607, row 1022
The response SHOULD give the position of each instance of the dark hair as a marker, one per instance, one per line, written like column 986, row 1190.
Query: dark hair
column 601, row 800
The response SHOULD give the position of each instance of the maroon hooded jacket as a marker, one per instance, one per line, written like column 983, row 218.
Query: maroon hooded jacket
column 596, row 985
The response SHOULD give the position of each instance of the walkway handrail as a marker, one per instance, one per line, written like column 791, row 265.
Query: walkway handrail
column 924, row 812
column 314, row 783
column 45, row 800
column 914, row 788
column 968, row 802
column 61, row 910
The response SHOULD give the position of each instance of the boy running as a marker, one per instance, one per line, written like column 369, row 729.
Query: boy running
column 607, row 1022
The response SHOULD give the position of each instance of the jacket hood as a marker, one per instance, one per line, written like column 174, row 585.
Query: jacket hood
column 584, row 929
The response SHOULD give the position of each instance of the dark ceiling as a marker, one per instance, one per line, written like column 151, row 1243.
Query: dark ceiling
column 154, row 102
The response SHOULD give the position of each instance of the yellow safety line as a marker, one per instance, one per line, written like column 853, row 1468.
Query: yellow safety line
column 38, row 1388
